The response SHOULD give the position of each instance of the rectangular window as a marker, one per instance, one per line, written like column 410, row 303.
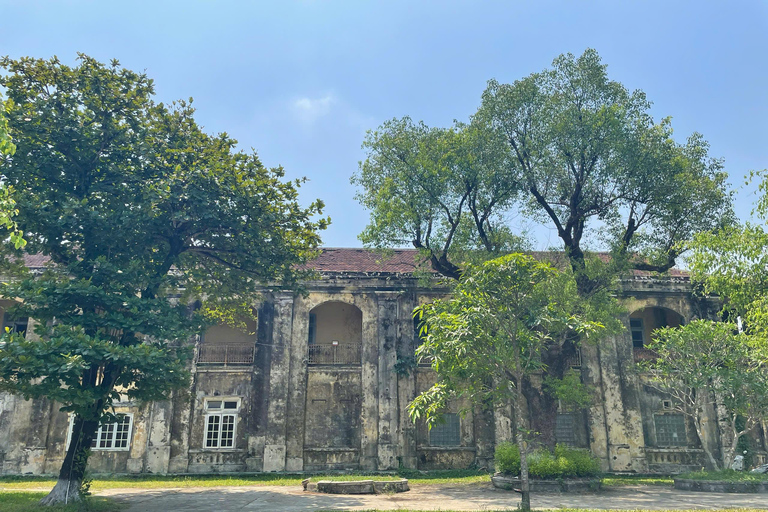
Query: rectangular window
column 670, row 430
column 447, row 433
column 564, row 425
column 221, row 422
column 636, row 327
column 312, row 328
column 110, row 436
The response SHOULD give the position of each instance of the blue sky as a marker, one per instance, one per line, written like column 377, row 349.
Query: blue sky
column 301, row 81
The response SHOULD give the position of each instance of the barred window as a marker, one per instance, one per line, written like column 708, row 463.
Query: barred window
column 448, row 433
column 670, row 430
column 221, row 422
column 564, row 429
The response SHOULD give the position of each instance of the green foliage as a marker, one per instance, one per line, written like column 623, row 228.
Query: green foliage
column 586, row 148
column 445, row 191
column 7, row 204
column 571, row 392
column 507, row 458
column 565, row 462
column 154, row 230
column 491, row 332
column 703, row 360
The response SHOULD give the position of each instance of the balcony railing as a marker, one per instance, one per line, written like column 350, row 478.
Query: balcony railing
column 340, row 353
column 226, row 354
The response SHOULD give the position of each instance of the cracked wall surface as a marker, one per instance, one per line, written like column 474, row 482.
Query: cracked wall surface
column 300, row 415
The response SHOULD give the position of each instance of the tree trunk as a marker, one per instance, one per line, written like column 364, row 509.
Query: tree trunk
column 67, row 488
column 525, row 487
column 704, row 446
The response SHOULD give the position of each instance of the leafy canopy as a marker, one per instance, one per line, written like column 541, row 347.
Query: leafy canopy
column 7, row 204
column 445, row 191
column 705, row 363
column 491, row 333
column 594, row 162
column 142, row 215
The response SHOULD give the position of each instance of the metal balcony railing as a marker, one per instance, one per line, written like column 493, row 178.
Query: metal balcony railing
column 340, row 353
column 226, row 354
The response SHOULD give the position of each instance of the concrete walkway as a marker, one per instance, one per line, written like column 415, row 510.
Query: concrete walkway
column 474, row 497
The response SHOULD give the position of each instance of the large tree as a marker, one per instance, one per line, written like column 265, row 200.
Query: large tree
column 485, row 339
column 599, row 169
column 441, row 190
column 145, row 218
column 566, row 146
column 731, row 263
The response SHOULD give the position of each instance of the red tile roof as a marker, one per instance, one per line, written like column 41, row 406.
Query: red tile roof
column 35, row 260
column 395, row 261
column 406, row 261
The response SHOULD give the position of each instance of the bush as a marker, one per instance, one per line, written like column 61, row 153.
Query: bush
column 507, row 459
column 565, row 462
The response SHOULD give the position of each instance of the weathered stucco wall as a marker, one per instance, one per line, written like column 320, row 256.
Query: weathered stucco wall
column 298, row 416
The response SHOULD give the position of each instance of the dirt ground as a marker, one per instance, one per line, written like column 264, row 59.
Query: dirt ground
column 424, row 497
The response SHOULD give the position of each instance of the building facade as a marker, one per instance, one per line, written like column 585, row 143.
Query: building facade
column 322, row 382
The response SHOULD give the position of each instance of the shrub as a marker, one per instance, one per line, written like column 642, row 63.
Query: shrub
column 507, row 459
column 583, row 462
column 565, row 462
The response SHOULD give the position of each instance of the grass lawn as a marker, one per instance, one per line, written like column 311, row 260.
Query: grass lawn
column 726, row 475
column 171, row 481
column 619, row 480
column 16, row 501
column 415, row 478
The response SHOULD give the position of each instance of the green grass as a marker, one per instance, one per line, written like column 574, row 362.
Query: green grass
column 726, row 475
column 27, row 501
column 171, row 481
column 619, row 480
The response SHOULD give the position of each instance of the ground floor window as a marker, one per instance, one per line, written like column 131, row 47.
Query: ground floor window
column 109, row 436
column 565, row 429
column 447, row 433
column 221, row 422
column 670, row 430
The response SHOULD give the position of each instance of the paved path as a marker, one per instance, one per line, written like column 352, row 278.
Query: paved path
column 476, row 497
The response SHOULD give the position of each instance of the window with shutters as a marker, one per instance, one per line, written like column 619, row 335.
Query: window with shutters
column 221, row 422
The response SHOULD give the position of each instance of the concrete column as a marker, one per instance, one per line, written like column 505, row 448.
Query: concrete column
column 297, row 395
column 279, row 382
column 157, row 452
column 369, row 413
column 592, row 378
column 623, row 426
column 387, row 380
column 406, row 384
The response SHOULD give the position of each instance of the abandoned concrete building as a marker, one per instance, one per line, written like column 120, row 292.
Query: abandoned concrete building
column 318, row 387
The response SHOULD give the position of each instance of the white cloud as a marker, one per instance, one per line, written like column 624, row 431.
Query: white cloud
column 308, row 110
